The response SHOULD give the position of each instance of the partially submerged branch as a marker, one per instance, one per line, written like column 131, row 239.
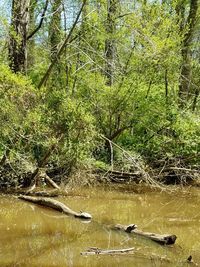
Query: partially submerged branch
column 164, row 239
column 94, row 251
column 56, row 205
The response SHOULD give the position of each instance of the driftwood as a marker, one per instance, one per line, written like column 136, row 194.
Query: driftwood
column 127, row 252
column 165, row 239
column 56, row 205
column 94, row 251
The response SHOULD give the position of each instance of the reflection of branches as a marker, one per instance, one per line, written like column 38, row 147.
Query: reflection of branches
column 40, row 251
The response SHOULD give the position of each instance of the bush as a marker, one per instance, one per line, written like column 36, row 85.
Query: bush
column 35, row 120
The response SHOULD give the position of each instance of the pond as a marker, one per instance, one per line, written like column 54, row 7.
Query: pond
column 31, row 235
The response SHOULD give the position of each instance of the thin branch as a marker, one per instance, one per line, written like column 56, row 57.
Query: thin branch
column 41, row 21
column 124, row 15
column 65, row 43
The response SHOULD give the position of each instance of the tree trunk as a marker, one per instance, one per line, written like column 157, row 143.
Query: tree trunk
column 18, row 35
column 55, row 38
column 31, row 43
column 66, row 42
column 55, row 28
column 110, row 43
column 185, row 84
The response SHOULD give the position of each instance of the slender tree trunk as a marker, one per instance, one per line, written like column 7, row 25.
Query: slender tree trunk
column 110, row 43
column 55, row 38
column 185, row 84
column 31, row 43
column 55, row 28
column 66, row 42
column 18, row 35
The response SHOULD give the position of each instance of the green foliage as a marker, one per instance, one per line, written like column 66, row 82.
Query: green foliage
column 162, row 130
column 32, row 121
column 140, row 110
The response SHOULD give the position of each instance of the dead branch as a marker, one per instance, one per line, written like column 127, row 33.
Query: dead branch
column 51, row 182
column 164, row 239
column 56, row 205
column 138, row 165
column 95, row 251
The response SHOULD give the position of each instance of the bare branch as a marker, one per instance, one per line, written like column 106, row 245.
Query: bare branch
column 65, row 43
column 41, row 21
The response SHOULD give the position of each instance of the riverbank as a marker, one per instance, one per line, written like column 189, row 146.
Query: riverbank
column 12, row 177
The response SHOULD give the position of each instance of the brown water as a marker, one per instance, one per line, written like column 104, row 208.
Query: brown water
column 31, row 235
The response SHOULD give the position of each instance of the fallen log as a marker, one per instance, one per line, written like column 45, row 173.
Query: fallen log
column 165, row 239
column 51, row 193
column 56, row 205
column 94, row 251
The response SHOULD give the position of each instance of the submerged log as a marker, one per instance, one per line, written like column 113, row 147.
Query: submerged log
column 52, row 193
column 164, row 239
column 94, row 251
column 56, row 205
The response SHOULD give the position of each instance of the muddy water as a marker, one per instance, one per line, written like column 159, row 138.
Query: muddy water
column 34, row 236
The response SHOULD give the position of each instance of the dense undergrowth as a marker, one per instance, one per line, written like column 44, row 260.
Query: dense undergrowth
column 162, row 140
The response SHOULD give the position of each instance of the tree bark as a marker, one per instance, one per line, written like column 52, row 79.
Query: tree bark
column 55, row 28
column 18, row 35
